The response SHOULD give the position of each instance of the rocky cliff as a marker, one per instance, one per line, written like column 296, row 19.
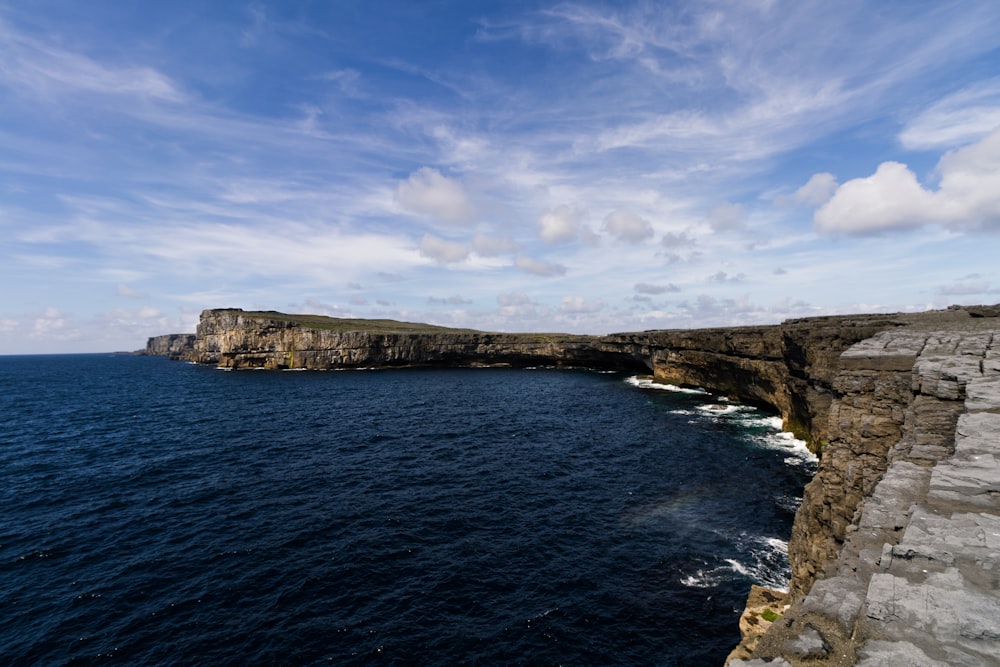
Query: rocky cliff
column 896, row 548
column 232, row 338
column 866, row 391
column 175, row 346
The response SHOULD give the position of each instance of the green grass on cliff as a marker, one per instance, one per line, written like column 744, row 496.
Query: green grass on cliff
column 348, row 324
column 384, row 326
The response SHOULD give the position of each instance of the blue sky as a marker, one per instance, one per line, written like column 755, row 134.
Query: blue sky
column 514, row 166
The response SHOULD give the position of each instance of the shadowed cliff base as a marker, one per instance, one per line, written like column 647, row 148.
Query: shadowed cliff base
column 873, row 395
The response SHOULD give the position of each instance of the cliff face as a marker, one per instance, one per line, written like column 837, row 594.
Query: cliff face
column 234, row 339
column 896, row 548
column 175, row 346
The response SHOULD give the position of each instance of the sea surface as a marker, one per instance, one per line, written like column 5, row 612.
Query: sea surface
column 162, row 513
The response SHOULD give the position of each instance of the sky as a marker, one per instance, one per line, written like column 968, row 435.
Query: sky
column 581, row 167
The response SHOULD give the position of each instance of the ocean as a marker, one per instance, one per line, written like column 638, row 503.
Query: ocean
column 162, row 513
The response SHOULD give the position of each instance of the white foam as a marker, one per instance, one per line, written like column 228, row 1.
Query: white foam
column 718, row 409
column 648, row 383
column 797, row 449
column 705, row 578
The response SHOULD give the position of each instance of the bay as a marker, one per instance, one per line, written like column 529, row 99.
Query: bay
column 158, row 512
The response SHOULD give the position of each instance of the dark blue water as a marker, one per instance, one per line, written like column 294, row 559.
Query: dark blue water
column 155, row 512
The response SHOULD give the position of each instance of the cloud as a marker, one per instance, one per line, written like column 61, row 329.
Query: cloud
column 647, row 288
column 627, row 226
column 723, row 277
column 967, row 198
column 442, row 251
column 956, row 119
column 539, row 267
column 559, row 225
column 488, row 246
column 677, row 240
column 428, row 192
column 817, row 190
column 577, row 305
column 47, row 70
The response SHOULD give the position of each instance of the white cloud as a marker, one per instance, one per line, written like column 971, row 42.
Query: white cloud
column 817, row 190
column 627, row 226
column 428, row 192
column 559, row 225
column 442, row 251
column 957, row 119
column 967, row 198
column 49, row 70
column 539, row 267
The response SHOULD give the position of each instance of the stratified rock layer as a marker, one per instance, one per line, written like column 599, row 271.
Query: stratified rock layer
column 912, row 577
column 175, row 346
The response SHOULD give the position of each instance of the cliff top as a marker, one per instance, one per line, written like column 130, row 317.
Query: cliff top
column 346, row 324
column 343, row 323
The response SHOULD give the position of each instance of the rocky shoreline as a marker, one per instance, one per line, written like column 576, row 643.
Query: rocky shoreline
column 904, row 410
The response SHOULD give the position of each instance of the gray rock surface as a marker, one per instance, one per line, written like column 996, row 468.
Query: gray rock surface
column 916, row 580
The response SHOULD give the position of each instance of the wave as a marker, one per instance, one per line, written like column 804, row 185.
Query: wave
column 763, row 561
column 647, row 383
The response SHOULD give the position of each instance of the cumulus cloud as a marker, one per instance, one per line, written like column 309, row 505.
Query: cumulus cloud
column 559, row 225
column 627, row 226
column 967, row 197
column 817, row 189
column 539, row 267
column 488, row 246
column 576, row 305
column 442, row 251
column 430, row 193
column 647, row 288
